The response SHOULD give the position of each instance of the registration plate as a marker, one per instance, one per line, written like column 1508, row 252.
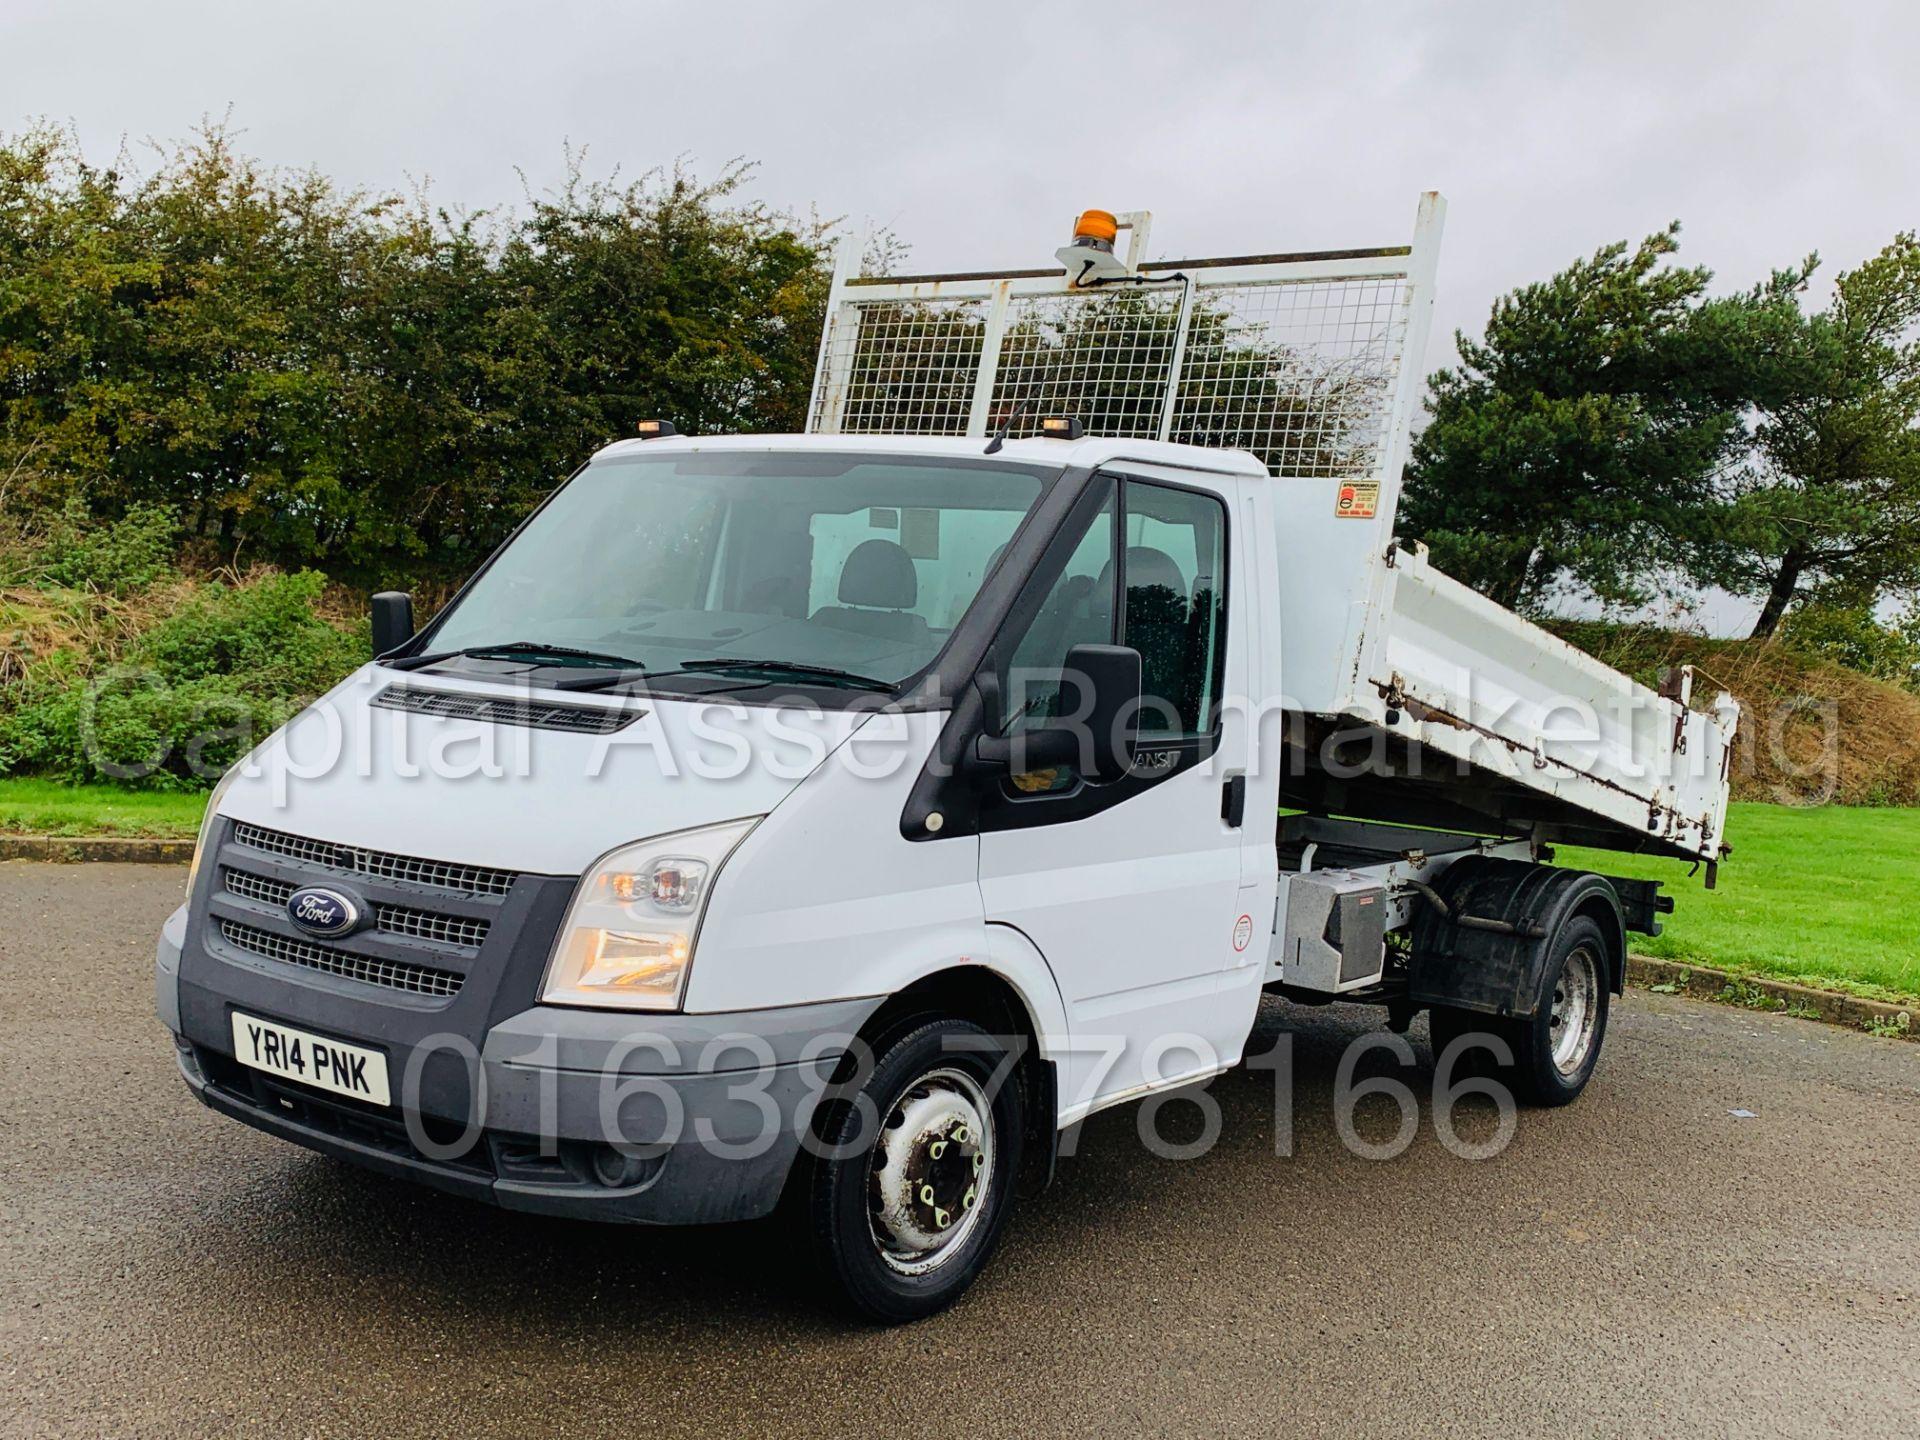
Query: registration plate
column 311, row 1059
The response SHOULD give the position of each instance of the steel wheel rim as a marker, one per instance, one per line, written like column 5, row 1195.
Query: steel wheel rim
column 1575, row 1017
column 930, row 1171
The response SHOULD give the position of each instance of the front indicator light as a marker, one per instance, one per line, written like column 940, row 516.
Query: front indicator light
column 628, row 967
column 628, row 938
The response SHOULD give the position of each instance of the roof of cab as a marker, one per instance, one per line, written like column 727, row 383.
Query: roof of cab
column 1089, row 451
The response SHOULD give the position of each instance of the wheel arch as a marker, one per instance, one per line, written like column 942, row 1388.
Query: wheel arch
column 993, row 1000
column 965, row 991
column 1496, row 971
column 1602, row 905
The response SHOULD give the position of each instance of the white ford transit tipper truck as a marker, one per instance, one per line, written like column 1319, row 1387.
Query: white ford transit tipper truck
column 835, row 818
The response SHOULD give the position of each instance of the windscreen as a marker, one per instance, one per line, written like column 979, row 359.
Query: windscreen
column 843, row 562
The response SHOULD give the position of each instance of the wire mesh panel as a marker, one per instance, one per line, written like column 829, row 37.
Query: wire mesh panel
column 1301, row 373
column 1103, row 357
column 907, row 367
column 1302, row 359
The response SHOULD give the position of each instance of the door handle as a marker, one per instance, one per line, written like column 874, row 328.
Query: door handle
column 1233, row 801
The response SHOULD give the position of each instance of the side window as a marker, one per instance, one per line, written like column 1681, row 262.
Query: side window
column 1174, row 608
column 1076, row 610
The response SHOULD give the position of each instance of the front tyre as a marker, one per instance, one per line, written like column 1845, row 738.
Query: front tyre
column 916, row 1176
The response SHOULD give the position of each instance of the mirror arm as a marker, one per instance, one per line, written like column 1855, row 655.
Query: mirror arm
column 988, row 750
column 991, row 752
column 1032, row 750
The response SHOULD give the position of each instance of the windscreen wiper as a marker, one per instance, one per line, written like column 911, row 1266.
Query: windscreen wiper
column 798, row 669
column 512, row 650
column 597, row 679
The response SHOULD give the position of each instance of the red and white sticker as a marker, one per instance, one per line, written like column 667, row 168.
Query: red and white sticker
column 1357, row 500
column 1243, row 932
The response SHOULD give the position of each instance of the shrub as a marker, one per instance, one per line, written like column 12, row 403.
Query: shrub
column 102, row 690
column 131, row 727
column 118, row 556
column 1855, row 637
column 266, row 634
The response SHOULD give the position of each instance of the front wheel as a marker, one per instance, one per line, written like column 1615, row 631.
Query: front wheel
column 916, row 1177
column 1554, row 1052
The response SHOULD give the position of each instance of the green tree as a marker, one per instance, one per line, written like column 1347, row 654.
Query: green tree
column 178, row 340
column 66, row 272
column 1827, row 502
column 1582, row 436
column 661, row 298
column 311, row 376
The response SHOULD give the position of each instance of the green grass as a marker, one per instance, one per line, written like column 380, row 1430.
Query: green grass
column 45, row 807
column 1826, row 896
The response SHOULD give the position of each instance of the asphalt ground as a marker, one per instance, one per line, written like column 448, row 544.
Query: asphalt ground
column 1645, row 1262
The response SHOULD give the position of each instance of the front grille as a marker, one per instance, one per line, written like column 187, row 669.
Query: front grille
column 442, row 874
column 423, row 925
column 507, row 710
column 368, row 969
column 259, row 887
column 393, row 919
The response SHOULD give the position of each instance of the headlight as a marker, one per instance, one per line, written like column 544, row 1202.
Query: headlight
column 212, row 816
column 627, row 941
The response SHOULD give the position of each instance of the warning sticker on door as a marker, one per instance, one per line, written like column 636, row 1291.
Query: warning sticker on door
column 1242, row 932
column 1357, row 500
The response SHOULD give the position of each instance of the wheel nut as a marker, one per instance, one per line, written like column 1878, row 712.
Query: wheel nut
column 979, row 1162
column 926, row 1194
column 961, row 1134
column 966, row 1200
column 936, row 1149
column 942, row 1218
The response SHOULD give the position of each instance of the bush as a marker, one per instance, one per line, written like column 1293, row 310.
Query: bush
column 315, row 375
column 130, row 727
column 1854, row 636
column 266, row 634
column 105, row 691
column 118, row 556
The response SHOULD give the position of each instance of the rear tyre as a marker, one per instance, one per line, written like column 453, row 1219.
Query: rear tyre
column 1553, row 1053
column 916, row 1179
column 1569, row 1026
column 1478, row 1056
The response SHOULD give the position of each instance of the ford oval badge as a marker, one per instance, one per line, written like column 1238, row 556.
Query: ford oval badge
column 322, row 912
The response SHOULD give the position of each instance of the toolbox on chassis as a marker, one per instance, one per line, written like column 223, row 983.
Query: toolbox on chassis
column 829, row 820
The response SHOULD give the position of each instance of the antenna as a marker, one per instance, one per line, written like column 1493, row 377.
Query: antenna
column 1000, row 435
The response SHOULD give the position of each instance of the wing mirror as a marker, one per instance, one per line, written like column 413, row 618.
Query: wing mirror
column 392, row 621
column 1096, row 734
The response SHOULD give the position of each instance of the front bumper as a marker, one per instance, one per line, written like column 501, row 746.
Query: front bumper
column 650, row 1119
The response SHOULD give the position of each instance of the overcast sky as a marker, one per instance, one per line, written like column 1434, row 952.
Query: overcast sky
column 976, row 130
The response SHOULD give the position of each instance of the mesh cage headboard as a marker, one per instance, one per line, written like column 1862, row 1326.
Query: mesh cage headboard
column 1310, row 361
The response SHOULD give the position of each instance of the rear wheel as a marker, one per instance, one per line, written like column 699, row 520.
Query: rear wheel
column 1554, row 1052
column 909, row 1199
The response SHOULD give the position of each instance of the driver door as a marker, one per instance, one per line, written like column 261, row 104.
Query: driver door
column 1132, row 890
